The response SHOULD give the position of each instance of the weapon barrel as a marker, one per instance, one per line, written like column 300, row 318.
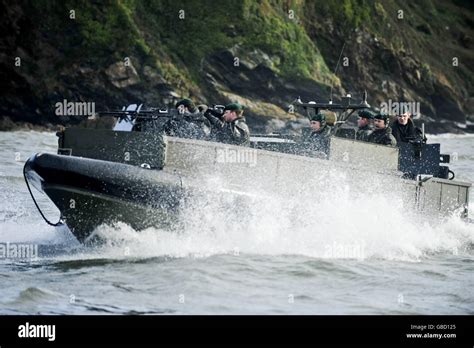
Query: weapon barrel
column 331, row 106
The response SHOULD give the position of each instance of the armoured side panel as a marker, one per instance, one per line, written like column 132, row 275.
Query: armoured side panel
column 363, row 154
column 255, row 170
column 237, row 167
column 430, row 196
column 443, row 197
column 133, row 148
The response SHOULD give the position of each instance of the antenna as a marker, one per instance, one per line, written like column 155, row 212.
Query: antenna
column 335, row 70
column 364, row 100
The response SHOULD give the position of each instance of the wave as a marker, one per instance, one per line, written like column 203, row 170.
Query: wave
column 34, row 232
column 35, row 294
column 338, row 226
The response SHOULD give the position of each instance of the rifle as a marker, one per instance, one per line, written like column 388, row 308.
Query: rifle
column 216, row 110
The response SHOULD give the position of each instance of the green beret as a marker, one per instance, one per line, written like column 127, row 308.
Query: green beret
column 366, row 114
column 318, row 117
column 185, row 102
column 382, row 116
column 234, row 107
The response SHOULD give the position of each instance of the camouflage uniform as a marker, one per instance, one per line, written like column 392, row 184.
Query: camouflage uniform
column 383, row 137
column 323, row 133
column 319, row 140
column 236, row 132
column 363, row 133
column 187, row 127
column 190, row 124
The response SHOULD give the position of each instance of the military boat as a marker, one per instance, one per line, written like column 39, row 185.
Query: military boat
column 142, row 177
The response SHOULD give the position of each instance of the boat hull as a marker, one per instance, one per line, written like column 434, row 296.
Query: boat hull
column 90, row 192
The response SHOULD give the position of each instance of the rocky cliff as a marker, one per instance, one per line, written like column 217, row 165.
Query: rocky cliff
column 261, row 53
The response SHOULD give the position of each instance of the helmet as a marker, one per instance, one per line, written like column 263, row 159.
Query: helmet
column 319, row 117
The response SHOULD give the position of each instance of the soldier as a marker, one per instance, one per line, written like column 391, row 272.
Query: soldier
column 186, row 106
column 192, row 124
column 382, row 133
column 404, row 129
column 365, row 117
column 319, row 128
column 231, row 127
column 320, row 133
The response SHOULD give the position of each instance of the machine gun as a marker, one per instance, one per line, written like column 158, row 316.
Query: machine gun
column 175, row 122
column 150, row 114
column 344, row 105
column 345, row 108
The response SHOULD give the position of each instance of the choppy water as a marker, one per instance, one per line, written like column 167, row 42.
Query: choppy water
column 361, row 256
